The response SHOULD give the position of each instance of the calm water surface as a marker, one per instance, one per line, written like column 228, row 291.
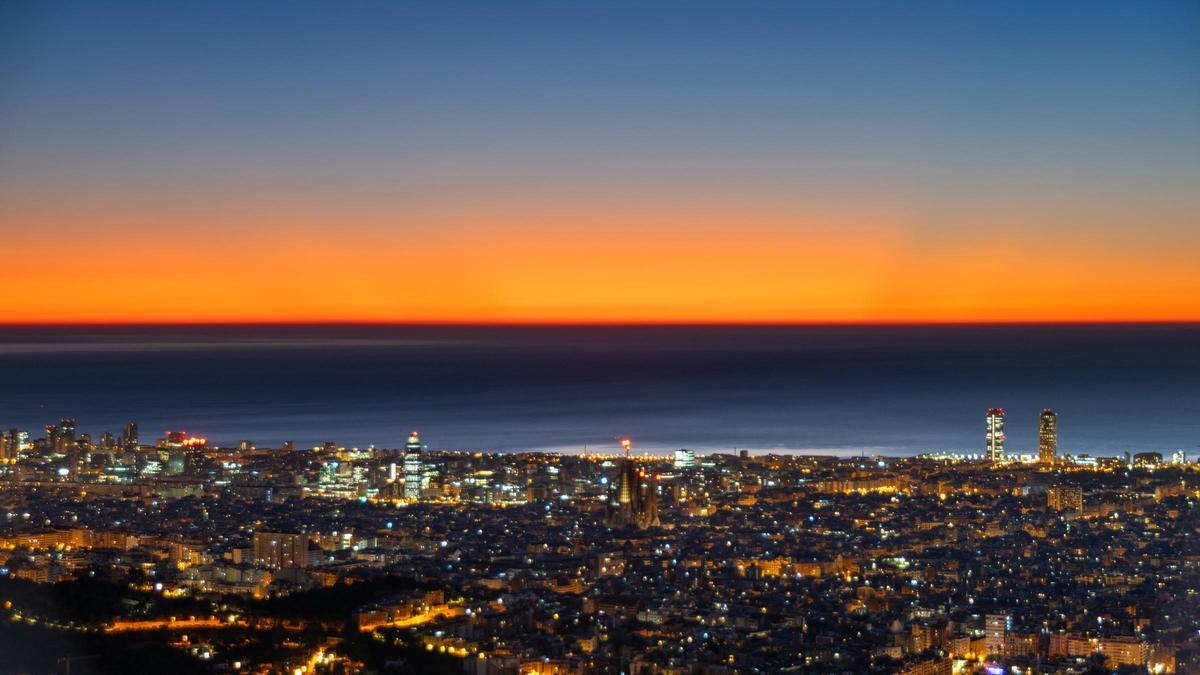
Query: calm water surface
column 830, row 389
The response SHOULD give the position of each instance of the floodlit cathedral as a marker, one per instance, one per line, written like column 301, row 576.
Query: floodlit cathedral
column 636, row 502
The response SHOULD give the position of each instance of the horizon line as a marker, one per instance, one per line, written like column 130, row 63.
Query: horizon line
column 200, row 323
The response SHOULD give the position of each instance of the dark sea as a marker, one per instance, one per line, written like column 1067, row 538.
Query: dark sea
column 846, row 390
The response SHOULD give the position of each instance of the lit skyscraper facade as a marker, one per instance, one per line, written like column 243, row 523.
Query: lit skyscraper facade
column 1048, row 437
column 685, row 459
column 10, row 448
column 412, row 467
column 995, row 435
column 129, row 439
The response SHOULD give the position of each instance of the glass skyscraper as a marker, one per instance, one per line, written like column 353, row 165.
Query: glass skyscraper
column 995, row 435
column 412, row 467
column 1048, row 437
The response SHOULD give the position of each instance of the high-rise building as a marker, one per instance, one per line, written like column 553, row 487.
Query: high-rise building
column 129, row 439
column 1048, row 437
column 14, row 443
column 685, row 459
column 282, row 550
column 1065, row 498
column 66, row 428
column 996, row 628
column 412, row 467
column 995, row 435
column 8, row 446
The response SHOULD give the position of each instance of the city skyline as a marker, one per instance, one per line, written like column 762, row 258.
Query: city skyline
column 892, row 390
column 547, row 337
column 177, row 551
column 408, row 455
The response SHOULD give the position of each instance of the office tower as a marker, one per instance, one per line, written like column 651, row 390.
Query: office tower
column 288, row 446
column 995, row 435
column 18, row 441
column 1048, row 437
column 8, row 446
column 1065, row 498
column 129, row 439
column 281, row 550
column 12, row 443
column 60, row 437
column 1147, row 460
column 66, row 428
column 412, row 467
column 245, row 446
column 177, row 462
column 430, row 476
column 685, row 459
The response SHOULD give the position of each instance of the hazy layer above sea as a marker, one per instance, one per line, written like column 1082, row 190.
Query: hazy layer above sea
column 878, row 389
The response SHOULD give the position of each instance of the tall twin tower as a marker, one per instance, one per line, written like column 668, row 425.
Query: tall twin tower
column 1047, row 436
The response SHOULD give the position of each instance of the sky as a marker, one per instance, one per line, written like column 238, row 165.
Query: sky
column 610, row 162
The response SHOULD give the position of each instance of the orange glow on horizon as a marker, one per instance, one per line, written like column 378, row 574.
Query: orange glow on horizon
column 816, row 266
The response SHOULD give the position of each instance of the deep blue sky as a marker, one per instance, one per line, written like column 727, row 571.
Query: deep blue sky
column 178, row 86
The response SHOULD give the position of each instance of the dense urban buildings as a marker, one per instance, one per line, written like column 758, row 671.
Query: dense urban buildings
column 341, row 560
column 695, row 306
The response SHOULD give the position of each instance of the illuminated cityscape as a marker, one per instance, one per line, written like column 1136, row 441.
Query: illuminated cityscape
column 618, row 338
column 329, row 559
